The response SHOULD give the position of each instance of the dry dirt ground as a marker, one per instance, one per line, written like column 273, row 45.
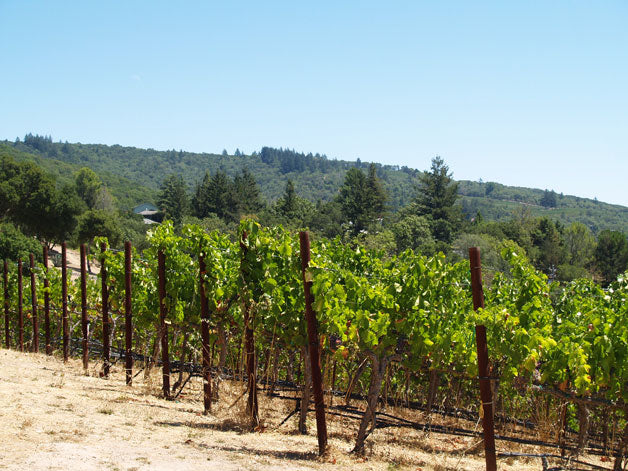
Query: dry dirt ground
column 55, row 417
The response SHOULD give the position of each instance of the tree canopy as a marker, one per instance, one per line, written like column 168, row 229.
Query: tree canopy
column 436, row 196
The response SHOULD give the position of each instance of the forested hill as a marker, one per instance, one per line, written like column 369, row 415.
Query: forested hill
column 134, row 175
column 315, row 177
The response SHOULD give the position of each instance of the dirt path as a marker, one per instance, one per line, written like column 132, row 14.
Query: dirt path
column 54, row 417
column 73, row 258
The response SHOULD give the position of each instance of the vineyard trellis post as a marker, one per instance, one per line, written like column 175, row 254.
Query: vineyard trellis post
column 313, row 340
column 207, row 386
column 84, row 308
column 106, row 323
column 252, row 405
column 7, row 337
column 128, row 312
column 483, row 365
column 163, row 326
column 20, row 311
column 47, row 302
column 35, row 320
column 64, row 302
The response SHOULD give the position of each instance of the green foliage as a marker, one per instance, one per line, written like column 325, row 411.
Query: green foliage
column 580, row 245
column 497, row 202
column 14, row 244
column 413, row 232
column 414, row 308
column 435, row 199
column 324, row 220
column 246, row 194
column 134, row 176
column 611, row 254
column 228, row 199
column 361, row 198
column 490, row 250
column 173, row 199
column 31, row 200
column 97, row 223
column 549, row 199
column 87, row 186
column 126, row 193
column 547, row 241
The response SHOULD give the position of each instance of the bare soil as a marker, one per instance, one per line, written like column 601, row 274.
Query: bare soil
column 56, row 417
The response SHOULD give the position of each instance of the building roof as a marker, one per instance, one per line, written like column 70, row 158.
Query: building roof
column 145, row 207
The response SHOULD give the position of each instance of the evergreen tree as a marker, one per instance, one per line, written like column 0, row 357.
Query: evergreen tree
column 246, row 193
column 220, row 196
column 375, row 195
column 362, row 198
column 352, row 199
column 288, row 204
column 549, row 199
column 611, row 254
column 173, row 199
column 201, row 199
column 436, row 195
column 550, row 251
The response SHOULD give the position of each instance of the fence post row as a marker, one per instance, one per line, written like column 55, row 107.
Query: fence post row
column 128, row 321
column 64, row 302
column 312, row 333
column 161, row 260
column 312, row 328
column 84, row 308
column 35, row 320
column 7, row 338
column 20, row 313
column 483, row 369
column 207, row 385
column 105, row 312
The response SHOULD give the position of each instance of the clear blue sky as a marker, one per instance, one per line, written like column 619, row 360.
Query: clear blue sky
column 524, row 93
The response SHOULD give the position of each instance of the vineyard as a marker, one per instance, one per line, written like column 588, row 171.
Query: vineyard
column 327, row 324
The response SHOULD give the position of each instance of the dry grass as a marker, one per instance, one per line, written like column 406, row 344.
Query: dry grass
column 56, row 417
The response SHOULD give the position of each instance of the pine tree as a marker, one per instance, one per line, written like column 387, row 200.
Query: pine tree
column 436, row 195
column 200, row 200
column 220, row 197
column 173, row 198
column 247, row 193
column 288, row 205
column 362, row 198
column 376, row 195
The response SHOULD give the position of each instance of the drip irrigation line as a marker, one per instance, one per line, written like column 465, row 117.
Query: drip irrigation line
column 183, row 386
column 549, row 455
column 95, row 349
column 458, row 431
column 297, row 409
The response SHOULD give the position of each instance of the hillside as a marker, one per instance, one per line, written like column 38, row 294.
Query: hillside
column 128, row 193
column 134, row 175
column 498, row 202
